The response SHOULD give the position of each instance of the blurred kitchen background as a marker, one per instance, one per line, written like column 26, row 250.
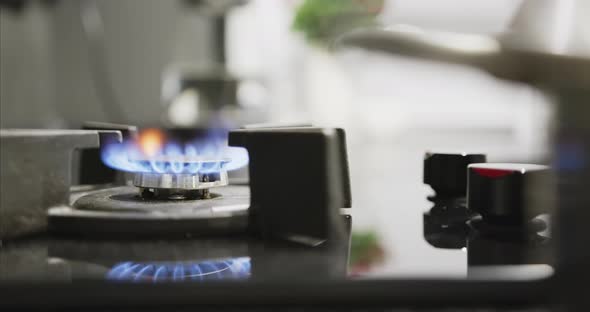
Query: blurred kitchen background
column 188, row 63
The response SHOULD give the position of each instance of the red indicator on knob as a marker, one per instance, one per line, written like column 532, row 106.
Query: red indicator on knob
column 492, row 173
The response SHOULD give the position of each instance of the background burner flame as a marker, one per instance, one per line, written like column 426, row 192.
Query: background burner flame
column 231, row 268
column 153, row 152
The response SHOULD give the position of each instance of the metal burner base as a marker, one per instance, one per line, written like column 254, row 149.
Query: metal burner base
column 179, row 186
column 122, row 211
column 174, row 194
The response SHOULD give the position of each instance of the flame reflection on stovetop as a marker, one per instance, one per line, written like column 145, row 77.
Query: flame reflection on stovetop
column 231, row 268
column 152, row 151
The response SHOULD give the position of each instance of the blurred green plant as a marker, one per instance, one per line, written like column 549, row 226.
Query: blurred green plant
column 320, row 21
column 365, row 251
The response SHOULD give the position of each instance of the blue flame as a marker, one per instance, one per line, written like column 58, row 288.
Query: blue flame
column 205, row 156
column 232, row 268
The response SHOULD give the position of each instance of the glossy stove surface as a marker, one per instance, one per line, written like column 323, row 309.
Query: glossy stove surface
column 241, row 257
column 386, row 239
column 177, row 260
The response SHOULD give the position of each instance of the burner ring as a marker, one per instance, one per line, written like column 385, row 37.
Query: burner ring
column 181, row 181
column 120, row 212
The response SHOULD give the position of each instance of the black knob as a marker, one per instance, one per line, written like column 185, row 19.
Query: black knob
column 507, row 193
column 447, row 173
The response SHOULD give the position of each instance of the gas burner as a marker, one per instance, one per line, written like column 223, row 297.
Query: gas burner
column 178, row 186
column 180, row 178
column 173, row 180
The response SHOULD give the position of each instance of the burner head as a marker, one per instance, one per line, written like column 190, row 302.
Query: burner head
column 180, row 177
column 178, row 186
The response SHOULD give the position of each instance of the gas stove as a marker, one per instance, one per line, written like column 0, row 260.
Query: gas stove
column 155, row 214
column 178, row 184
column 170, row 205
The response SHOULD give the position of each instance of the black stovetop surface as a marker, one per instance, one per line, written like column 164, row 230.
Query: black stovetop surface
column 238, row 257
column 386, row 245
